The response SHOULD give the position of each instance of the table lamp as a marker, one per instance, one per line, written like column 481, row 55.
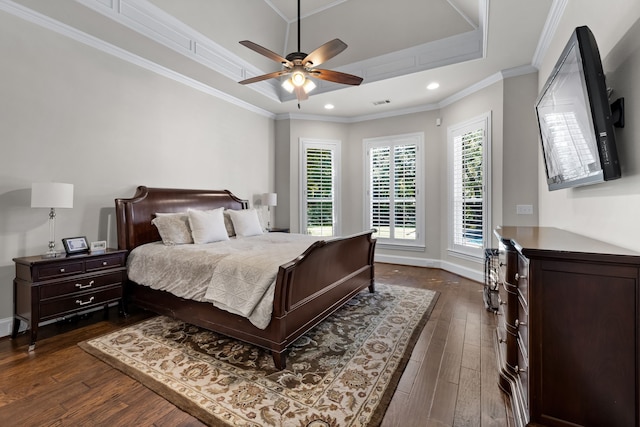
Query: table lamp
column 268, row 200
column 51, row 195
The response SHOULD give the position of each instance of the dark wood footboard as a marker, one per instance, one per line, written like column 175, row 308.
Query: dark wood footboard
column 308, row 289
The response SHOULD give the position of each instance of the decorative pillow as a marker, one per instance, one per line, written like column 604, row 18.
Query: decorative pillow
column 207, row 226
column 246, row 222
column 173, row 228
column 229, row 224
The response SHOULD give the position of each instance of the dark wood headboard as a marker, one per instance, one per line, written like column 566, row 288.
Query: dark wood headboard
column 134, row 215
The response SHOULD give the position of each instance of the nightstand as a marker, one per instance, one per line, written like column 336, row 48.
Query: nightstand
column 277, row 230
column 52, row 288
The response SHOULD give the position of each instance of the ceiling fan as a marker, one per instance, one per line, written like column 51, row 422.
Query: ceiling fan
column 301, row 66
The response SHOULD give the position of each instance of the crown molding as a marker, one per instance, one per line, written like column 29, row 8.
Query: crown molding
column 144, row 17
column 157, row 25
column 96, row 43
column 518, row 71
column 482, row 84
column 548, row 31
column 152, row 22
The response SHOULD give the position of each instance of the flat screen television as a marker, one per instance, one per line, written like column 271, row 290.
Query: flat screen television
column 575, row 120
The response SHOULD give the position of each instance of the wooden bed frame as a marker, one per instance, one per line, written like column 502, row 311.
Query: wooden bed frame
column 308, row 289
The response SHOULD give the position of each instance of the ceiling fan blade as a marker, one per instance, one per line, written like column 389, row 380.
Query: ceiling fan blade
column 325, row 52
column 336, row 77
column 273, row 75
column 301, row 94
column 266, row 52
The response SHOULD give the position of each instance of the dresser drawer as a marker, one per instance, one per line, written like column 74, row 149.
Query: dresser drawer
column 61, row 306
column 80, row 284
column 522, row 373
column 522, row 328
column 522, row 281
column 60, row 269
column 104, row 262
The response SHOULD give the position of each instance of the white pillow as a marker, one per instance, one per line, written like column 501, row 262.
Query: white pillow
column 173, row 228
column 245, row 222
column 207, row 226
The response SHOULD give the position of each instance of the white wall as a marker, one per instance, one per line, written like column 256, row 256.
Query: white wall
column 520, row 150
column 607, row 211
column 73, row 114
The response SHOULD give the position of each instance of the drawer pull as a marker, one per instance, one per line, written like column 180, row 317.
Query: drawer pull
column 519, row 323
column 79, row 302
column 81, row 286
column 518, row 277
column 62, row 270
column 519, row 370
column 502, row 341
column 104, row 263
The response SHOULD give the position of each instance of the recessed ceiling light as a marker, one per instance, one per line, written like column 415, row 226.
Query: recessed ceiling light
column 433, row 86
column 329, row 107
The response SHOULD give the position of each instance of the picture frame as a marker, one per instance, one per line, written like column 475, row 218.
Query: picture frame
column 75, row 245
column 98, row 247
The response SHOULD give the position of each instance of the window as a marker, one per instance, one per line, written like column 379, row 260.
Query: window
column 394, row 198
column 469, row 172
column 320, row 162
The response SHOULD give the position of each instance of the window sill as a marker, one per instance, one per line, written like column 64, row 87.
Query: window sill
column 400, row 246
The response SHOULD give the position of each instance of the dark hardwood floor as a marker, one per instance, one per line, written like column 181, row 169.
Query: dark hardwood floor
column 451, row 379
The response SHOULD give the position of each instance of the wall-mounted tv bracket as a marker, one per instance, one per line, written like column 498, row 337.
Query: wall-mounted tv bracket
column 617, row 112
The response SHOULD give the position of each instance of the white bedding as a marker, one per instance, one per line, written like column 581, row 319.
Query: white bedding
column 237, row 275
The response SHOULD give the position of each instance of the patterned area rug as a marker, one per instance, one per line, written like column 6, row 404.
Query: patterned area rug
column 341, row 373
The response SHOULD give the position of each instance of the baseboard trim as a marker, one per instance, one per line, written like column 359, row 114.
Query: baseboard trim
column 466, row 272
column 6, row 324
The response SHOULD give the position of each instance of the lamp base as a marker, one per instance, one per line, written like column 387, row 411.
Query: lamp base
column 53, row 254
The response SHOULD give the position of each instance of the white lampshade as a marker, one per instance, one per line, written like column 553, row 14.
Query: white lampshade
column 270, row 199
column 51, row 195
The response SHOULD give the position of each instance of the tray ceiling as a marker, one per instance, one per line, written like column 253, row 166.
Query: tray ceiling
column 397, row 46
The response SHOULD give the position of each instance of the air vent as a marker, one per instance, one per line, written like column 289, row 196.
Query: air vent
column 386, row 101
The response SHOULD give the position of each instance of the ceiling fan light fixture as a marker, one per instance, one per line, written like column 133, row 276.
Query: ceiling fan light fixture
column 298, row 78
column 308, row 86
column 288, row 85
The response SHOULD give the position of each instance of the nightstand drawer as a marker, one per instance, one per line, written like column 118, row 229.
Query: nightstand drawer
column 80, row 285
column 104, row 263
column 60, row 269
column 61, row 306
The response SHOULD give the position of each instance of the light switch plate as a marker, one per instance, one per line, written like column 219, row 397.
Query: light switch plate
column 524, row 209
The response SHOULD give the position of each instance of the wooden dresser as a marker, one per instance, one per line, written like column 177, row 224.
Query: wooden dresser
column 567, row 339
column 52, row 288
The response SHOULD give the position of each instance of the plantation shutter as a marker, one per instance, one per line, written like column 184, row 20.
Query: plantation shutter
column 468, row 189
column 404, row 176
column 468, row 184
column 319, row 193
column 381, row 191
column 393, row 188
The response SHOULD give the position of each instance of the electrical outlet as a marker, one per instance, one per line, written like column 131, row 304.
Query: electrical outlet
column 524, row 209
